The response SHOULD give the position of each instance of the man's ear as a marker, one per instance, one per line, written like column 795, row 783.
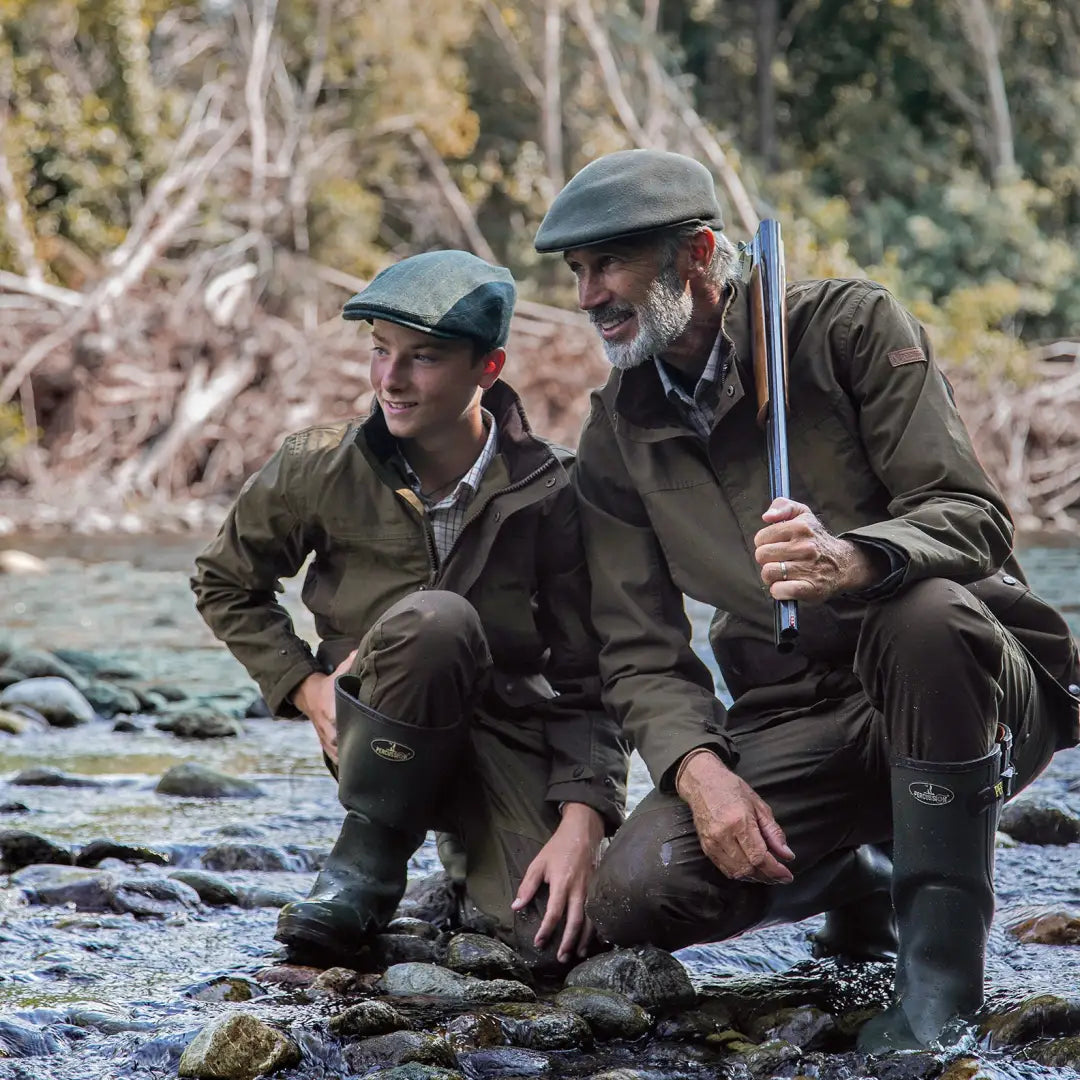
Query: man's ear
column 701, row 247
column 491, row 365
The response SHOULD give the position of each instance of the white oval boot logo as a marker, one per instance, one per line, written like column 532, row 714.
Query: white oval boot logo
column 389, row 750
column 932, row 794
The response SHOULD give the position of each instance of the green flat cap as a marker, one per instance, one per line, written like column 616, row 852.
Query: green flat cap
column 626, row 193
column 451, row 294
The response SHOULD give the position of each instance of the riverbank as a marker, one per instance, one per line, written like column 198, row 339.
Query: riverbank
column 116, row 980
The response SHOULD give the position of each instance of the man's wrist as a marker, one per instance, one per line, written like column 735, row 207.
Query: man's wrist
column 693, row 764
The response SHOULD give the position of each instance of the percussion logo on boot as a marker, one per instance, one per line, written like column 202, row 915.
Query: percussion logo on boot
column 932, row 794
column 389, row 750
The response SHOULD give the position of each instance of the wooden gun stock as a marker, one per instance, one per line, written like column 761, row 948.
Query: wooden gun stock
column 769, row 314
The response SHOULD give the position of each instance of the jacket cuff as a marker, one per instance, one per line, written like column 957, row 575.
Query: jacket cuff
column 894, row 577
column 600, row 795
column 719, row 743
column 277, row 693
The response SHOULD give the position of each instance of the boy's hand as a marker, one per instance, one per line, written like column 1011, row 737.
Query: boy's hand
column 565, row 863
column 314, row 697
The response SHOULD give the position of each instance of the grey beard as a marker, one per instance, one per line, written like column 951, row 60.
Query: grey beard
column 662, row 316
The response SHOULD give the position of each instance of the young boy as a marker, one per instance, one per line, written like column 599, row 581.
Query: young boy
column 455, row 685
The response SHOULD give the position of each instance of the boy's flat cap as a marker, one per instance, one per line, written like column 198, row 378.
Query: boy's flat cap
column 626, row 193
column 451, row 294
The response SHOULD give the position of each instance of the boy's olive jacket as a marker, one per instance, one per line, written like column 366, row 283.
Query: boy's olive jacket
column 334, row 492
column 878, row 452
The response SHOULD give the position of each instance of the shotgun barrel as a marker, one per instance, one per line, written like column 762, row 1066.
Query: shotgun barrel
column 767, row 300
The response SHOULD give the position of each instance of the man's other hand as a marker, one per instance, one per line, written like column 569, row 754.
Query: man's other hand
column 314, row 697
column 801, row 560
column 734, row 824
column 566, row 864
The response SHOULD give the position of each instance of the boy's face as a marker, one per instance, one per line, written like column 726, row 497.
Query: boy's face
column 426, row 385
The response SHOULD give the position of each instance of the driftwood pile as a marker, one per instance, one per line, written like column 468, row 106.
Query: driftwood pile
column 164, row 401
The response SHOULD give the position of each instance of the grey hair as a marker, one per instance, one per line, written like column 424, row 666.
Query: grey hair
column 724, row 265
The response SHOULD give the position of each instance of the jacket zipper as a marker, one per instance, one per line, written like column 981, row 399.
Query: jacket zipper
column 410, row 498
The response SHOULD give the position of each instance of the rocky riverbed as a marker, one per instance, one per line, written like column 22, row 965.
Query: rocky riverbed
column 152, row 822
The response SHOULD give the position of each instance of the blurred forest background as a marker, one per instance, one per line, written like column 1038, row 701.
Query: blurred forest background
column 191, row 192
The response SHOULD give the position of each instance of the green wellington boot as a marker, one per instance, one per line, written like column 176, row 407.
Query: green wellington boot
column 944, row 822
column 853, row 887
column 391, row 776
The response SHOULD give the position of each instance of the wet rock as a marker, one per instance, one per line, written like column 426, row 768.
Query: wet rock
column 152, row 896
column 341, row 980
column 965, row 1068
column 126, row 725
column 920, row 1065
column 56, row 699
column 1045, row 926
column 264, row 896
column 13, row 561
column 225, row 988
column 484, row 958
column 106, row 1023
column 93, row 853
column 44, row 776
column 541, row 1027
column 237, row 1047
column 36, row 719
column 502, row 1061
column 213, row 890
column 8, row 676
column 38, row 664
column 109, row 701
column 12, row 723
column 367, row 1019
column 88, row 890
column 199, row 782
column 199, row 724
column 19, row 848
column 150, row 701
column 163, row 1053
column 433, row 898
column 430, row 979
column 481, row 991
column 258, row 710
column 474, row 1031
column 649, row 977
column 13, row 806
column 248, row 857
column 610, row 1015
column 19, row 1040
column 288, row 976
column 1036, row 1017
column 683, row 1058
column 1034, row 821
column 93, row 666
column 709, row 1018
column 415, row 1071
column 399, row 1048
column 390, row 949
column 414, row 927
column 772, row 1058
column 1056, row 1054
column 807, row 1028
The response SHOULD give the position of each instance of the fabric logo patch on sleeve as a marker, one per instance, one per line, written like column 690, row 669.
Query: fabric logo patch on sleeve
column 900, row 357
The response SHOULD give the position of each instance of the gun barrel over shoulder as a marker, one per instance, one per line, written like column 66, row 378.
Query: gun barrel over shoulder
column 767, row 298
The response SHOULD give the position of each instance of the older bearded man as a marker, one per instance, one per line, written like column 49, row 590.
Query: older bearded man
column 923, row 655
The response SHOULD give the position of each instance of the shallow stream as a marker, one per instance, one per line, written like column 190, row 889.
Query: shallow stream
column 127, row 599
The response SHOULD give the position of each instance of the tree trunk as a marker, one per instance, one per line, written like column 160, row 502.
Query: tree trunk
column 552, row 103
column 766, row 29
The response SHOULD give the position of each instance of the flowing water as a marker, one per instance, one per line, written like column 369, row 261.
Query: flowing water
column 118, row 996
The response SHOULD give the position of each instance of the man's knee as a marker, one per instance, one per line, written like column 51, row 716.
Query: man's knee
column 433, row 627
column 621, row 905
column 926, row 630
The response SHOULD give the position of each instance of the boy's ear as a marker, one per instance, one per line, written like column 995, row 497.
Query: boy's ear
column 491, row 365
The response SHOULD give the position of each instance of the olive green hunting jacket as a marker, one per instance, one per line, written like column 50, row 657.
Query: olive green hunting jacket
column 334, row 493
column 878, row 452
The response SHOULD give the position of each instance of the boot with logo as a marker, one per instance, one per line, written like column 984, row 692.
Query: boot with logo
column 392, row 777
column 945, row 818
column 853, row 887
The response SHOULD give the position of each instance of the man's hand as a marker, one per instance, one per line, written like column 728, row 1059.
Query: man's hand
column 566, row 863
column 314, row 697
column 818, row 565
column 736, row 828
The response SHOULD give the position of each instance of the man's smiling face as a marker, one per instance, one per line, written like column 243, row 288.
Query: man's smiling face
column 635, row 296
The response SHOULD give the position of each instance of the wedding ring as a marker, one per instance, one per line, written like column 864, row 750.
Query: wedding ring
column 783, row 570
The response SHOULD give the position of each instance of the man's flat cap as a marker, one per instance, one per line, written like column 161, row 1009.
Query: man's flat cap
column 450, row 294
column 626, row 193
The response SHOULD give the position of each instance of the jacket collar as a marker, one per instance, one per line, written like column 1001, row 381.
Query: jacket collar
column 522, row 450
column 641, row 409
